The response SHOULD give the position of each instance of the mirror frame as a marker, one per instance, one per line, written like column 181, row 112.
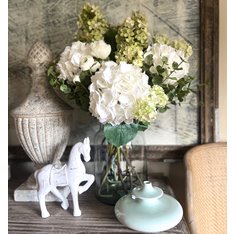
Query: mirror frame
column 208, row 94
column 207, row 97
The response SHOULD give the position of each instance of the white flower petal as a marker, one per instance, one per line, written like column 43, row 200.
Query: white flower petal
column 119, row 87
column 95, row 67
column 75, row 60
column 76, row 78
column 86, row 63
column 100, row 49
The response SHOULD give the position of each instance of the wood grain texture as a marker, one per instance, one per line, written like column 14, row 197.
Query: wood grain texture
column 209, row 69
column 96, row 217
column 54, row 22
column 152, row 153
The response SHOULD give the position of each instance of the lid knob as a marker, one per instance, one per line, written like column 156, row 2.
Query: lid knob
column 147, row 191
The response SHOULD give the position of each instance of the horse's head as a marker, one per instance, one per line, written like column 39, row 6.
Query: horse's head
column 86, row 149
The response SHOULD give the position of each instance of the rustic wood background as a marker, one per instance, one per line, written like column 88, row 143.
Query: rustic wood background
column 54, row 22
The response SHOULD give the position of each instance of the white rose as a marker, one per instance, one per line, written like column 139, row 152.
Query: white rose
column 80, row 47
column 100, row 49
column 95, row 66
column 75, row 59
column 86, row 62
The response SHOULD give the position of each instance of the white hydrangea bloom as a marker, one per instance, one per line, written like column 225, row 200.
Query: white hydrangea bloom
column 115, row 90
column 158, row 51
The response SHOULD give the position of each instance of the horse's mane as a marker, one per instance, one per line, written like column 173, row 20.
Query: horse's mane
column 76, row 147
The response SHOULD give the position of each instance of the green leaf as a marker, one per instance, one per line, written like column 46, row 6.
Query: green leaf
column 84, row 102
column 149, row 59
column 65, row 89
column 142, row 126
column 50, row 71
column 175, row 65
column 53, row 82
column 164, row 59
column 120, row 134
column 160, row 69
column 170, row 86
column 163, row 109
column 172, row 78
column 157, row 79
column 84, row 74
column 109, row 38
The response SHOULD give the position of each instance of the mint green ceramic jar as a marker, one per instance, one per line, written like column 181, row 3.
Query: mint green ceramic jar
column 148, row 209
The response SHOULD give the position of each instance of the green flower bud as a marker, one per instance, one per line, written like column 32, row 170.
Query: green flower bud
column 91, row 24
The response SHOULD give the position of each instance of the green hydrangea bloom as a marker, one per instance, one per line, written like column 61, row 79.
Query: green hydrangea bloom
column 146, row 108
column 162, row 39
column 157, row 94
column 134, row 30
column 130, row 54
column 91, row 24
column 181, row 45
column 132, row 39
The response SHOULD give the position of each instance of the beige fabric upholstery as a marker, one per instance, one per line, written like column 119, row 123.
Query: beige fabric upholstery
column 207, row 188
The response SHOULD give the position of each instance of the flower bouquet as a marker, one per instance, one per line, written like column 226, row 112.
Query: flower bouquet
column 124, row 77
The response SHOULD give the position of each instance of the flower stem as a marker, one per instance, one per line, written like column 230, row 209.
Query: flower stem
column 105, row 176
column 119, row 169
column 132, row 169
column 167, row 77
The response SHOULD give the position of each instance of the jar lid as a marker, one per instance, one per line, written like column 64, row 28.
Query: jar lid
column 147, row 191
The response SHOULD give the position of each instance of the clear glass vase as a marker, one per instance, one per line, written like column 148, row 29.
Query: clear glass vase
column 118, row 169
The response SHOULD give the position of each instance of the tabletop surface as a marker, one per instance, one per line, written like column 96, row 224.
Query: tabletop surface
column 24, row 217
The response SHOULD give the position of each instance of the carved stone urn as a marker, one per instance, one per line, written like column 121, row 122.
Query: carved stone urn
column 42, row 121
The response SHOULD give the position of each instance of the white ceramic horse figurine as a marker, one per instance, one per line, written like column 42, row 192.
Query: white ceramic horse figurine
column 72, row 174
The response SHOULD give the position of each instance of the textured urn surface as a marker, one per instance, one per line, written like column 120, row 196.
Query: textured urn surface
column 43, row 120
column 43, row 138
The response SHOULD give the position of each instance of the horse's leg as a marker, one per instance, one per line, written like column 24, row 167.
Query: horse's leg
column 90, row 179
column 41, row 196
column 64, row 200
column 74, row 192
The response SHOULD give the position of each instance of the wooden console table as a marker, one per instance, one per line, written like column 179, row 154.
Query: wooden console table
column 24, row 217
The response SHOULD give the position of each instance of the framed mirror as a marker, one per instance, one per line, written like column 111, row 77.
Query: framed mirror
column 195, row 21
